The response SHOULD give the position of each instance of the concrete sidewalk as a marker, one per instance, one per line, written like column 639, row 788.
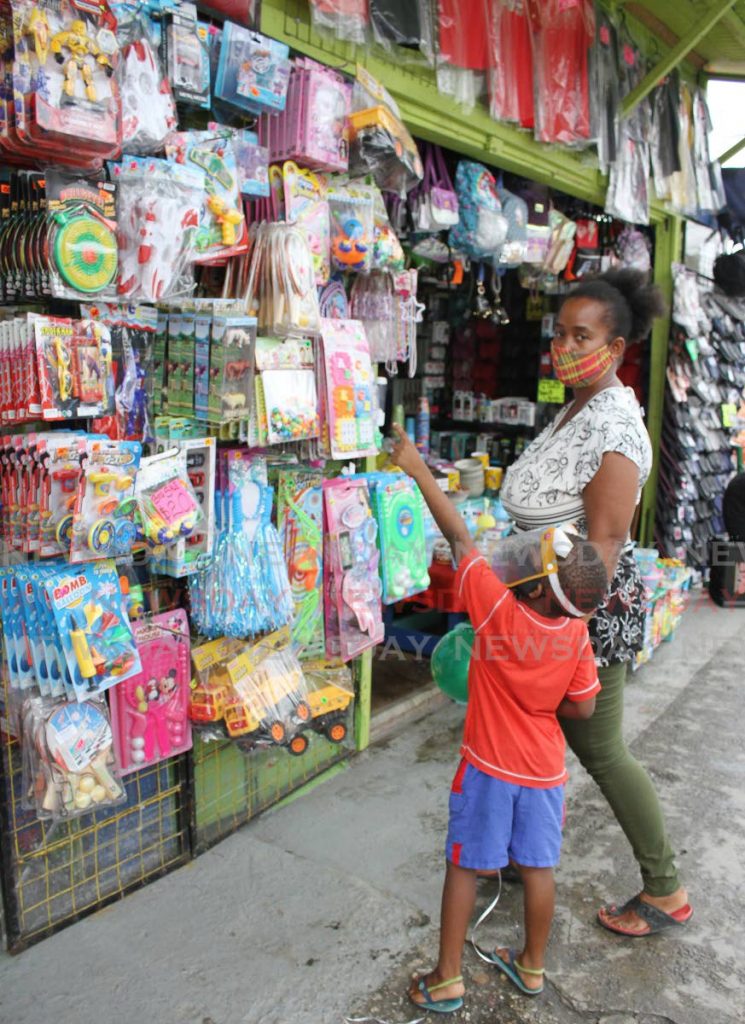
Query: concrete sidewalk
column 322, row 908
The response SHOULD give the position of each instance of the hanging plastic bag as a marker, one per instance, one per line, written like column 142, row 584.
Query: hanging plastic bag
column 562, row 33
column 628, row 198
column 482, row 228
column 352, row 227
column 396, row 21
column 345, row 19
column 437, row 206
column 510, row 78
column 148, row 108
column 464, row 33
column 561, row 242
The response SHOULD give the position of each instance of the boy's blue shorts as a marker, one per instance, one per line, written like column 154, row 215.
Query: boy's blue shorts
column 493, row 822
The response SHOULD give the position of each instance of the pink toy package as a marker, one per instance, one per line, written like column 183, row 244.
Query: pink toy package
column 312, row 129
column 352, row 588
column 349, row 401
column 149, row 712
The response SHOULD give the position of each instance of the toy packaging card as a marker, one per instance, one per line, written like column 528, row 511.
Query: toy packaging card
column 188, row 554
column 74, row 367
column 61, row 472
column 167, row 505
column 253, row 164
column 253, row 71
column 82, row 242
column 397, row 505
column 300, row 522
column 149, row 711
column 93, row 627
column 65, row 92
column 103, row 520
column 307, row 207
column 350, row 408
column 231, row 373
column 222, row 228
column 352, row 220
column 352, row 588
column 186, row 57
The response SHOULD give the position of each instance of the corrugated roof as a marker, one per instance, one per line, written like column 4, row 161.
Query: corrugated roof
column 722, row 49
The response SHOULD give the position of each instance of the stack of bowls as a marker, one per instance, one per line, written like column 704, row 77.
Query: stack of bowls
column 471, row 476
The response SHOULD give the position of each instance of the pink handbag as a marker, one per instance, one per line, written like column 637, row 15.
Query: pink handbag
column 437, row 203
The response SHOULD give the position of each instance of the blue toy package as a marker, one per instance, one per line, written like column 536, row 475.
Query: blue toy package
column 253, row 71
column 93, row 628
column 397, row 506
column 17, row 648
column 253, row 164
column 103, row 520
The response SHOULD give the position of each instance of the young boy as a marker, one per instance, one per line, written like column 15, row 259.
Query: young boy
column 531, row 661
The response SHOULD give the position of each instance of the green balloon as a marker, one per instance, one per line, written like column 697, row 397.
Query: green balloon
column 450, row 660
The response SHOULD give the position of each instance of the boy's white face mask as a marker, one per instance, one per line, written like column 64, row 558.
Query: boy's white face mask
column 532, row 555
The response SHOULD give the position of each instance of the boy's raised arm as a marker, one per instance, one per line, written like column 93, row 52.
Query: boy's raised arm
column 453, row 529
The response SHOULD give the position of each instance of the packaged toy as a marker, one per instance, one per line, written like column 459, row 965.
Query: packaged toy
column 253, row 71
column 65, row 98
column 74, row 367
column 158, row 207
column 269, row 699
column 82, row 245
column 62, row 471
column 70, row 768
column 222, row 226
column 186, row 57
column 148, row 108
column 19, row 657
column 352, row 227
column 93, row 629
column 307, row 207
column 281, row 291
column 231, row 369
column 213, row 686
column 397, row 505
column 387, row 251
column 349, row 382
column 149, row 711
column 300, row 521
column 312, row 129
column 103, row 520
column 253, row 164
column 188, row 554
column 380, row 144
column 167, row 505
column 330, row 693
column 352, row 587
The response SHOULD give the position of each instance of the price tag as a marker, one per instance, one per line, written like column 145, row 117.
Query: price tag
column 172, row 501
column 729, row 414
column 551, row 391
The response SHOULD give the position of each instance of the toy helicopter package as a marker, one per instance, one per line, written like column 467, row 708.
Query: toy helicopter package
column 65, row 92
column 93, row 628
column 81, row 240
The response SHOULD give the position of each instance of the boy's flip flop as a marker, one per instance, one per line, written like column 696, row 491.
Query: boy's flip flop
column 657, row 920
column 511, row 969
column 438, row 1005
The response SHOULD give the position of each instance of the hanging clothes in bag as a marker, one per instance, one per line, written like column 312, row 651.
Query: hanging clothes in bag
column 396, row 21
column 604, row 92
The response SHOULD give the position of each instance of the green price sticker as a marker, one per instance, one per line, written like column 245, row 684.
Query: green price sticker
column 692, row 349
column 729, row 413
column 551, row 391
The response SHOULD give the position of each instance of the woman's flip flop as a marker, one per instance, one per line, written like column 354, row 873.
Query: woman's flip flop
column 511, row 969
column 438, row 1005
column 657, row 920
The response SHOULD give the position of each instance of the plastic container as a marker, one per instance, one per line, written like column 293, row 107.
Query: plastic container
column 472, row 476
column 422, row 426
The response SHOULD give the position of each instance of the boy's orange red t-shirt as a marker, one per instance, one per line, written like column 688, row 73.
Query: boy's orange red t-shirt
column 523, row 665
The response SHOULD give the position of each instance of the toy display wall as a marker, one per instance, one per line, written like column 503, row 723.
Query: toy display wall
column 228, row 259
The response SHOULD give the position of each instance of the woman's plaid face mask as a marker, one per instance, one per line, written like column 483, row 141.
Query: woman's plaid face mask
column 580, row 371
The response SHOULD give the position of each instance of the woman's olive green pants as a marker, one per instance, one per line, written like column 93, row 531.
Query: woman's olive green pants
column 598, row 743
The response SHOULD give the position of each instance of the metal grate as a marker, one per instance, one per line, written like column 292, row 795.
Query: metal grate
column 54, row 874
column 230, row 788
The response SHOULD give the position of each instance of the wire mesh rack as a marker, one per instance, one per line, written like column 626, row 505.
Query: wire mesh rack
column 53, row 874
column 231, row 787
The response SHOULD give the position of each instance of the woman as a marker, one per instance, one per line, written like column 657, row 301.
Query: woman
column 588, row 468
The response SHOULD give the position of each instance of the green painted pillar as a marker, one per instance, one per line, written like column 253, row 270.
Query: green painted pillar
column 668, row 250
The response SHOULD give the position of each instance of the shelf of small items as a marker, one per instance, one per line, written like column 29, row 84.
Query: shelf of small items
column 667, row 582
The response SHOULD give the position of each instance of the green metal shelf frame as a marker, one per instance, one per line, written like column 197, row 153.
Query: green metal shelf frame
column 436, row 118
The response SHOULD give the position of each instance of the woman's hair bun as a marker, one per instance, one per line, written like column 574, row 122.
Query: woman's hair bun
column 633, row 302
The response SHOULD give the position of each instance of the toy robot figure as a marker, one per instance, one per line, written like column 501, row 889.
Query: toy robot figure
column 79, row 47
